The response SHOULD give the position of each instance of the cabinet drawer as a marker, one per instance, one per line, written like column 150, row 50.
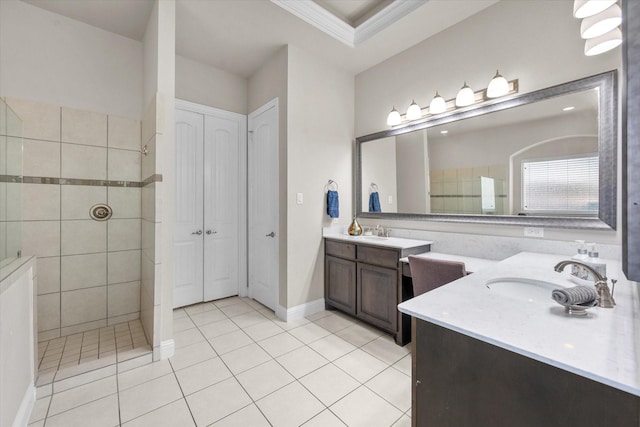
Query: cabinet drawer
column 378, row 256
column 343, row 250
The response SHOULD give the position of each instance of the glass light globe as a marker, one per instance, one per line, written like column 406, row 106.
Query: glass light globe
column 414, row 111
column 438, row 105
column 585, row 8
column 601, row 23
column 465, row 96
column 604, row 43
column 394, row 119
column 498, row 86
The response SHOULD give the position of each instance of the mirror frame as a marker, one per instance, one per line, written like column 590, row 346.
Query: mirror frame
column 607, row 83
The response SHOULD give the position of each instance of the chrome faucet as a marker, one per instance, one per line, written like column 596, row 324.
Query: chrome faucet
column 382, row 232
column 605, row 297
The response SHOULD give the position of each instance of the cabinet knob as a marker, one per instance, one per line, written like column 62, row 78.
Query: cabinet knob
column 418, row 382
column 197, row 233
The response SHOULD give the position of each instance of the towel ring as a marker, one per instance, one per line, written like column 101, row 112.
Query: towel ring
column 330, row 183
column 373, row 188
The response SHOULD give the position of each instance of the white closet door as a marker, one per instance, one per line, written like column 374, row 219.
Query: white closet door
column 188, row 230
column 263, row 205
column 221, row 206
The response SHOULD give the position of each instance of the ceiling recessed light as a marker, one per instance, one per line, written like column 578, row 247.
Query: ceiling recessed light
column 444, row 132
column 568, row 108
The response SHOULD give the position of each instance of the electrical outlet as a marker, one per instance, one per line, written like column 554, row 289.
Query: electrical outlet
column 299, row 198
column 534, row 232
column 390, row 200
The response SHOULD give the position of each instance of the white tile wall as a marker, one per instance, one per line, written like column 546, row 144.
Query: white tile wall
column 61, row 142
column 83, row 161
column 84, row 127
column 83, row 271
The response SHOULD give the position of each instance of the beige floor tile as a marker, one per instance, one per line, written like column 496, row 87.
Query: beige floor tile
column 334, row 323
column 199, row 308
column 207, row 317
column 280, row 344
column 264, row 379
column 85, row 378
column 329, row 384
column 228, row 301
column 83, row 394
column 319, row 315
column 332, row 347
column 148, row 396
column 37, row 424
column 309, row 333
column 245, row 358
column 378, row 413
column 228, row 396
column 172, row 415
column 192, row 354
column 202, row 375
column 360, row 365
column 386, row 350
column 230, row 342
column 215, row 329
column 291, row 324
column 249, row 319
column 178, row 313
column 301, row 361
column 183, row 323
column 143, row 374
column 40, row 408
column 358, row 335
column 187, row 337
column 404, row 421
column 325, row 418
column 394, row 387
column 262, row 330
column 249, row 416
column 404, row 365
column 292, row 405
column 237, row 309
column 102, row 413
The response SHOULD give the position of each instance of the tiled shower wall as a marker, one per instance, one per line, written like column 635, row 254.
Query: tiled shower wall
column 88, row 271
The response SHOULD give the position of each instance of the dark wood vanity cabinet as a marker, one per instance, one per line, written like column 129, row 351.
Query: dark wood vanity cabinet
column 365, row 281
column 459, row 381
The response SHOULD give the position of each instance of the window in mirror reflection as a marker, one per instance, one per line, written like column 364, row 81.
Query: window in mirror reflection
column 566, row 185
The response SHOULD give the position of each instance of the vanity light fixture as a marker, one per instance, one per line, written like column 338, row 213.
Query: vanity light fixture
column 394, row 118
column 601, row 23
column 498, row 86
column 438, row 105
column 465, row 96
column 586, row 8
column 414, row 111
column 604, row 43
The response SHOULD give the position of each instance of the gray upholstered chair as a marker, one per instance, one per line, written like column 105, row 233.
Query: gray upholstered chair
column 428, row 273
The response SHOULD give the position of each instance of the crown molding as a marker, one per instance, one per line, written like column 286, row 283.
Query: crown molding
column 314, row 14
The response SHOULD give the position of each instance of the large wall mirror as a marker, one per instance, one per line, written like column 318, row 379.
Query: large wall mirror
column 545, row 158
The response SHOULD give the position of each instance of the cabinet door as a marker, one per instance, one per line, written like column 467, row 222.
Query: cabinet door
column 340, row 283
column 377, row 296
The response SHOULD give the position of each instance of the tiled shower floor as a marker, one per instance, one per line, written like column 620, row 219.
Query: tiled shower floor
column 90, row 350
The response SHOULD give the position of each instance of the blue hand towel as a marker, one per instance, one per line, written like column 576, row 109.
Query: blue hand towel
column 374, row 202
column 332, row 204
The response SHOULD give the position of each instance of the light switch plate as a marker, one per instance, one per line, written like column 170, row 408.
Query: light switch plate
column 299, row 198
column 390, row 200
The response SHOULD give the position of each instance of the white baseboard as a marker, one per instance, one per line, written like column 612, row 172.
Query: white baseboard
column 300, row 311
column 26, row 406
column 166, row 350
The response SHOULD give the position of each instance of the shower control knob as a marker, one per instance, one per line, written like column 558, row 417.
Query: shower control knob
column 199, row 232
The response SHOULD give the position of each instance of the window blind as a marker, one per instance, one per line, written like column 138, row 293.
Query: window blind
column 568, row 185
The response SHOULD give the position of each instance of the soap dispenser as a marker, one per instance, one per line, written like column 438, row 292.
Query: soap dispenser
column 579, row 274
column 595, row 262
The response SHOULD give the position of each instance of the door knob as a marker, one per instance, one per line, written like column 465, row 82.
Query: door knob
column 199, row 232
column 211, row 232
column 272, row 234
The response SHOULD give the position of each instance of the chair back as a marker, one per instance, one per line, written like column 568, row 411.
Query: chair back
column 428, row 274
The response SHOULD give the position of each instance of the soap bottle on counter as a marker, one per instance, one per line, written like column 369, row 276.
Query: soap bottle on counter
column 579, row 274
column 595, row 262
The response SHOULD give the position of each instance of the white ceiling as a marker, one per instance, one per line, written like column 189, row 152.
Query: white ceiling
column 238, row 36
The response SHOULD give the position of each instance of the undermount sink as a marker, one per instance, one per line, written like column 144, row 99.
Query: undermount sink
column 375, row 238
column 522, row 289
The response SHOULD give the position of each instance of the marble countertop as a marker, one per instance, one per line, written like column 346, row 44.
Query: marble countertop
column 603, row 346
column 390, row 242
column 471, row 264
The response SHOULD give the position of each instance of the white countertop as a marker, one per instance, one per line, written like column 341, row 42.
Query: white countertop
column 603, row 346
column 471, row 264
column 390, row 242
